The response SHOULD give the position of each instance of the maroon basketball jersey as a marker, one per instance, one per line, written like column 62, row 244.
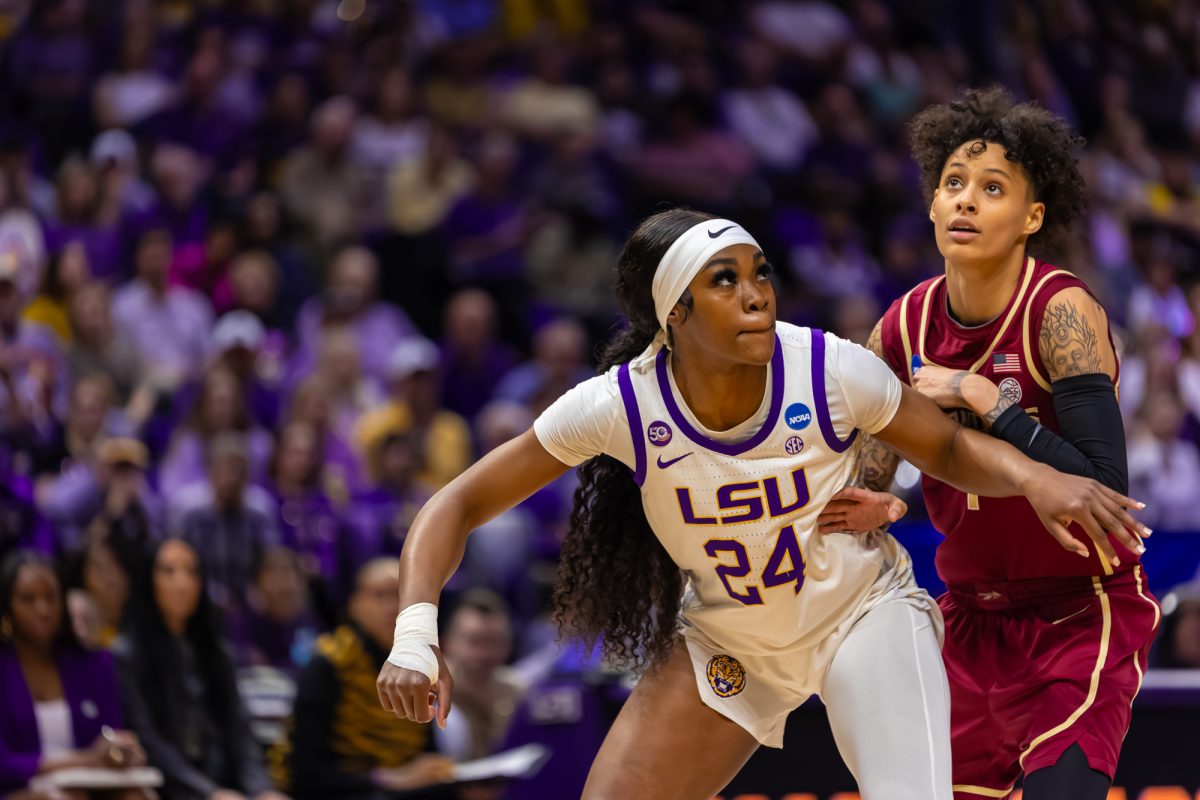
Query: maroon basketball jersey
column 991, row 538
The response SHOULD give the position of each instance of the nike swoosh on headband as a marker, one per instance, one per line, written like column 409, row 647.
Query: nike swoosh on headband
column 712, row 235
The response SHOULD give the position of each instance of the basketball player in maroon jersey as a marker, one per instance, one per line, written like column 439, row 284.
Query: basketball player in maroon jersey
column 1045, row 646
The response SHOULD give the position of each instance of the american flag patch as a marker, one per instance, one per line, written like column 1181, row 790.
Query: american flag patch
column 1006, row 362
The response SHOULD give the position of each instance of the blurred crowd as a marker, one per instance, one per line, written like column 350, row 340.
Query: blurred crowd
column 274, row 271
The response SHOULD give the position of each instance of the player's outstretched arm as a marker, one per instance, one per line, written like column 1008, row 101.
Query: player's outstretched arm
column 1077, row 357
column 433, row 550
column 980, row 464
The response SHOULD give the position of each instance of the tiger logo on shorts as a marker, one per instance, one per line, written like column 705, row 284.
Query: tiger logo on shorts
column 726, row 675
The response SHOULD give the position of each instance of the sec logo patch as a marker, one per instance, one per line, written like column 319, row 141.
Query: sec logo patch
column 726, row 675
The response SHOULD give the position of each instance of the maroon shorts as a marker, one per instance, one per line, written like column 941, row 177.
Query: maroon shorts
column 1037, row 666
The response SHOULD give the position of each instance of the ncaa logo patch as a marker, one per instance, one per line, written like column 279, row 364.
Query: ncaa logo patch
column 1011, row 389
column 793, row 445
column 797, row 416
column 726, row 675
column 659, row 433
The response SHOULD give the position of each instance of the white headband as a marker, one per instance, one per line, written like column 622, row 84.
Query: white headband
column 687, row 256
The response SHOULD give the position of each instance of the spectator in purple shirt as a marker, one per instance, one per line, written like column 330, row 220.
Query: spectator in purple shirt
column 220, row 408
column 350, row 300
column 308, row 519
column 169, row 325
column 83, row 215
column 473, row 360
column 559, row 363
column 381, row 516
column 229, row 523
column 280, row 628
column 57, row 697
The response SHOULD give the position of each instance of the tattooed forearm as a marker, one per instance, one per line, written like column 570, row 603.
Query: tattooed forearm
column 1002, row 404
column 1068, row 344
column 877, row 465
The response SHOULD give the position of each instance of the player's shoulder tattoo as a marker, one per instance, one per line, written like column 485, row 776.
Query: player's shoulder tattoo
column 1069, row 343
column 875, row 340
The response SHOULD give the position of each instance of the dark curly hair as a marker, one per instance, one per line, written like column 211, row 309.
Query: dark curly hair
column 1042, row 143
column 616, row 583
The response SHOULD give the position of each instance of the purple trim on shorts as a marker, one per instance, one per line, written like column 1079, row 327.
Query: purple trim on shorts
column 664, row 386
column 817, row 360
column 635, row 423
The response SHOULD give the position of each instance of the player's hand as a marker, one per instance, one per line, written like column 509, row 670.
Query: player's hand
column 942, row 386
column 857, row 510
column 409, row 695
column 1062, row 499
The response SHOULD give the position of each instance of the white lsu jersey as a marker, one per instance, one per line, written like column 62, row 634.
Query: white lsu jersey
column 739, row 515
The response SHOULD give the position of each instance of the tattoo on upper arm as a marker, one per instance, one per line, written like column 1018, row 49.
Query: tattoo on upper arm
column 876, row 465
column 875, row 340
column 1068, row 344
column 1002, row 404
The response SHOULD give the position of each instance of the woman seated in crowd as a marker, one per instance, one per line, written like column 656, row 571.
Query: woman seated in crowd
column 341, row 742
column 179, row 689
column 61, row 705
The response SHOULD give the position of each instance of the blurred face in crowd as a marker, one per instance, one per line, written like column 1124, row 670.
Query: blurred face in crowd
column 1186, row 642
column 310, row 405
column 90, row 320
column 353, row 280
column 154, row 258
column 560, row 348
column 398, row 461
column 177, row 172
column 104, row 578
column 254, row 279
column 479, row 642
column 36, row 606
column 470, row 320
column 395, row 97
column 76, row 191
column 73, row 268
column 297, row 455
column 983, row 206
column 500, row 421
column 11, row 300
column 176, row 584
column 228, row 473
column 281, row 585
column 222, row 401
column 1164, row 415
column 339, row 359
column 376, row 600
column 333, row 122
column 89, row 406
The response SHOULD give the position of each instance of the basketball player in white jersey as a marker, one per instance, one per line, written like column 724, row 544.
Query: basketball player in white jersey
column 709, row 445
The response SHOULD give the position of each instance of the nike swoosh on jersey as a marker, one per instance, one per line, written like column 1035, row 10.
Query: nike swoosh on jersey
column 664, row 464
column 712, row 235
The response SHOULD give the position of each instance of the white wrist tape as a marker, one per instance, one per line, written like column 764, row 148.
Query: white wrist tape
column 416, row 635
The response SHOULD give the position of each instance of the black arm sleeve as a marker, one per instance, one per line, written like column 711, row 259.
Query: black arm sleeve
column 1093, row 437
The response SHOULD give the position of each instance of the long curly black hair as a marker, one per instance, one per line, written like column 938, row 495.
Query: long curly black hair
column 1042, row 143
column 616, row 584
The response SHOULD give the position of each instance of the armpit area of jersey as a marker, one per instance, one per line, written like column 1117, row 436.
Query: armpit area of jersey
column 1092, row 443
